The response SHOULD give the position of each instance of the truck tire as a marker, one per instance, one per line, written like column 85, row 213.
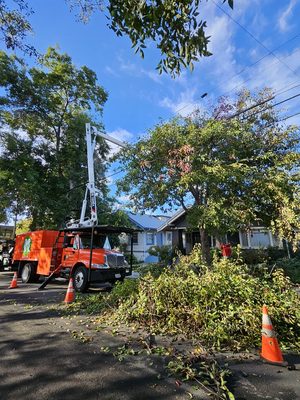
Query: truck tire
column 28, row 273
column 80, row 279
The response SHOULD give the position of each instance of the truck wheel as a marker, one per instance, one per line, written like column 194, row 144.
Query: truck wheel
column 28, row 273
column 80, row 279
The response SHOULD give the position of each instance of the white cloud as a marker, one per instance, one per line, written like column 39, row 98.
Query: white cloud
column 184, row 104
column 134, row 70
column 111, row 71
column 122, row 202
column 222, row 65
column 283, row 21
column 273, row 74
column 121, row 134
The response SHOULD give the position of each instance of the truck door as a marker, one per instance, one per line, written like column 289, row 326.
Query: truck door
column 70, row 251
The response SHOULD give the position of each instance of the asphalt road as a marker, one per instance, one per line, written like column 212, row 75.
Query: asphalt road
column 42, row 358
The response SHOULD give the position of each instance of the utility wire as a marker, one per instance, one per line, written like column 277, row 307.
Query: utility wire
column 280, row 120
column 289, row 116
column 247, row 80
column 254, row 38
column 265, row 56
column 267, row 108
column 251, row 107
column 270, row 52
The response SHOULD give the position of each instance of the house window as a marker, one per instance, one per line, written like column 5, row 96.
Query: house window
column 260, row 239
column 169, row 237
column 277, row 242
column 135, row 238
column 244, row 239
column 149, row 238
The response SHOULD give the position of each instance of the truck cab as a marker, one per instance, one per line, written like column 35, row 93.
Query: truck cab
column 107, row 265
column 83, row 253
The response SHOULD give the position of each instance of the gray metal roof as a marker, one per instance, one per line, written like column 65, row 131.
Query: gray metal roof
column 145, row 221
column 172, row 219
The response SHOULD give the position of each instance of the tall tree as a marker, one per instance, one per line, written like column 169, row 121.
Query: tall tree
column 14, row 25
column 175, row 26
column 226, row 172
column 43, row 112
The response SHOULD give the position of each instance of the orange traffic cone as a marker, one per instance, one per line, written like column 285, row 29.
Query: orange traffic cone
column 270, row 349
column 70, row 295
column 14, row 282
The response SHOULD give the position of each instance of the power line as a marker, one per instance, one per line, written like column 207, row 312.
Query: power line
column 267, row 108
column 251, row 107
column 280, row 120
column 265, row 56
column 270, row 52
column 249, row 79
column 254, row 38
column 255, row 63
column 289, row 116
column 115, row 173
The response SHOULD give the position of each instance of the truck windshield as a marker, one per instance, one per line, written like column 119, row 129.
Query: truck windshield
column 98, row 242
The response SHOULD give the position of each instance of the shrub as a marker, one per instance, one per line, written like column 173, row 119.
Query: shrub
column 96, row 303
column 154, row 269
column 164, row 253
column 258, row 256
column 291, row 268
column 127, row 255
column 221, row 305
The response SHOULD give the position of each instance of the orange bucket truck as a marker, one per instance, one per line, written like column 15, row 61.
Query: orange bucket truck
column 83, row 253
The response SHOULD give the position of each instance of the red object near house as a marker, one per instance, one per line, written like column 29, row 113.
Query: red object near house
column 226, row 250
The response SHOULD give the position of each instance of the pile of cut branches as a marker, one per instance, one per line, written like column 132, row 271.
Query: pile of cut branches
column 218, row 305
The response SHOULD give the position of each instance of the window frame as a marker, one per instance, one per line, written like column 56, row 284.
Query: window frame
column 148, row 242
column 135, row 238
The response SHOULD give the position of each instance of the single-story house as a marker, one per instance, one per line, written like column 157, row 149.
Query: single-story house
column 148, row 235
column 184, row 239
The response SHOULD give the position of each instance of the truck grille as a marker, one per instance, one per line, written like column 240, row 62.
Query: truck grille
column 115, row 260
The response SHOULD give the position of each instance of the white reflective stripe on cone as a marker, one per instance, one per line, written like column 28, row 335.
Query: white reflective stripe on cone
column 268, row 333
column 266, row 320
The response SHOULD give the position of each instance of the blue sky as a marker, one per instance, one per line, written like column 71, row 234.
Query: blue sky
column 139, row 98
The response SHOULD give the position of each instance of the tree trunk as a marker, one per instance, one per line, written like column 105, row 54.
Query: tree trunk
column 205, row 246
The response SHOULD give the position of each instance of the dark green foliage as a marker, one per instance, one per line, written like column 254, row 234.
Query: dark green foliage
column 269, row 259
column 226, row 172
column 14, row 25
column 43, row 168
column 135, row 261
column 257, row 256
column 174, row 26
column 164, row 253
column 154, row 270
column 291, row 267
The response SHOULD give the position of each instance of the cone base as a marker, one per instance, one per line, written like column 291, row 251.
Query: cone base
column 14, row 282
column 271, row 351
column 69, row 301
column 13, row 287
column 278, row 363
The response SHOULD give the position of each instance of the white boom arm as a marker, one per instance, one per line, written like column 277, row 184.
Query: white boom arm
column 91, row 134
